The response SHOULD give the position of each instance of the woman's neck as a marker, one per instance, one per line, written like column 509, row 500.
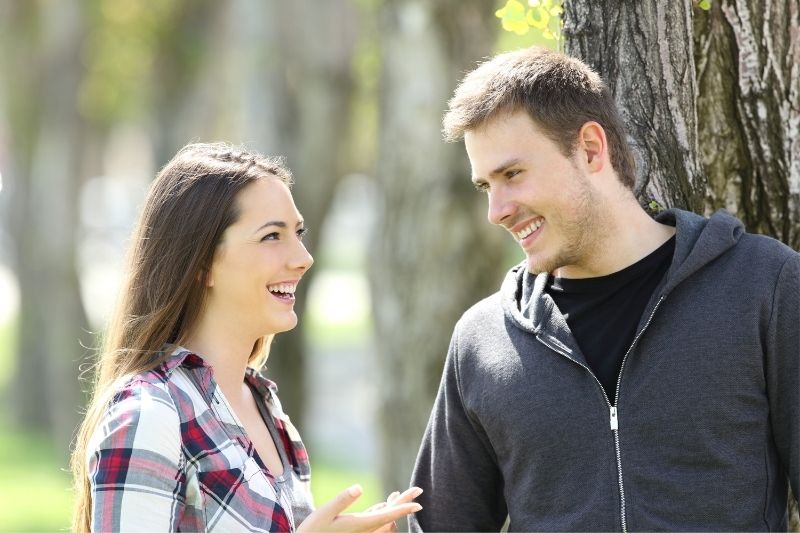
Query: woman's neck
column 226, row 351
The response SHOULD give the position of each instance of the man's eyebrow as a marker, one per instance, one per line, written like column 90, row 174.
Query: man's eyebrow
column 278, row 223
column 499, row 170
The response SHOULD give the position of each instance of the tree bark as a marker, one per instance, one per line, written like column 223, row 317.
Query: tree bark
column 643, row 52
column 433, row 254
column 748, row 65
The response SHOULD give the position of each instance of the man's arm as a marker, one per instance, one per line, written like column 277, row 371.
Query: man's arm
column 783, row 369
column 456, row 466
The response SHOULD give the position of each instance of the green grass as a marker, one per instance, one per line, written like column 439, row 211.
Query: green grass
column 34, row 488
column 328, row 480
column 35, row 493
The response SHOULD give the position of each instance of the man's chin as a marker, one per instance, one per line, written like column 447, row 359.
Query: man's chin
column 536, row 264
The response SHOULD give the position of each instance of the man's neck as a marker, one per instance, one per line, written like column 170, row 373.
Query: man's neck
column 630, row 235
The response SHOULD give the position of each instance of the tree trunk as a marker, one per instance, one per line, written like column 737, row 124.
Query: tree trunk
column 433, row 255
column 644, row 53
column 315, row 69
column 747, row 58
column 53, row 323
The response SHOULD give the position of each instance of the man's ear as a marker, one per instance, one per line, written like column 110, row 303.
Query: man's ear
column 592, row 146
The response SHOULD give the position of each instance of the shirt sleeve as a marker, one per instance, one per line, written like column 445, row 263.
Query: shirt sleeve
column 783, row 369
column 135, row 463
column 456, row 466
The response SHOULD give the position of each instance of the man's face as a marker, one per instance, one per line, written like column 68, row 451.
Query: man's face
column 540, row 196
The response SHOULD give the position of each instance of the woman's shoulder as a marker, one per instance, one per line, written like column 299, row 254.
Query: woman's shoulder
column 175, row 384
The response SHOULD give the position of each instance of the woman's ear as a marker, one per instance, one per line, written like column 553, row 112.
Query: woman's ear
column 204, row 276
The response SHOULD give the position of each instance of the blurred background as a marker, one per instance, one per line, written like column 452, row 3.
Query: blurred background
column 96, row 95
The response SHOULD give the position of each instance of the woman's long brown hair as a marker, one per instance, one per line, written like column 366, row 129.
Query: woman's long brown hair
column 190, row 204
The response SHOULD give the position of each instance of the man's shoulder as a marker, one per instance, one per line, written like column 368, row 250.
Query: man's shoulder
column 767, row 247
column 488, row 308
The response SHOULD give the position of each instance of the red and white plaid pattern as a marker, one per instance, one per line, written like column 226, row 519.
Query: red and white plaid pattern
column 170, row 456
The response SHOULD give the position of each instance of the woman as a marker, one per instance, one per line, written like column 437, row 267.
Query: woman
column 182, row 432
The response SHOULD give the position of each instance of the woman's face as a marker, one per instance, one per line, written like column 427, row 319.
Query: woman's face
column 259, row 262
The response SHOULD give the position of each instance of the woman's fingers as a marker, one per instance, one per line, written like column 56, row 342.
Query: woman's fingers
column 375, row 507
column 376, row 519
column 391, row 527
column 380, row 517
column 337, row 506
column 407, row 495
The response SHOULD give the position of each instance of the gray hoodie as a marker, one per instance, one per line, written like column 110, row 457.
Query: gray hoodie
column 704, row 431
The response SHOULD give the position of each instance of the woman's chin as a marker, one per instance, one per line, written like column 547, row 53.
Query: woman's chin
column 282, row 326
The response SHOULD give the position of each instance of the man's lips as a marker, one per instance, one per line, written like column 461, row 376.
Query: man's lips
column 524, row 230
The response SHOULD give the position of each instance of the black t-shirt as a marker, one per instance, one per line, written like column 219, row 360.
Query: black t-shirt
column 603, row 313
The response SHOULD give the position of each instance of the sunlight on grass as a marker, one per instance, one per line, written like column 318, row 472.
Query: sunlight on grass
column 36, row 495
column 328, row 480
column 34, row 489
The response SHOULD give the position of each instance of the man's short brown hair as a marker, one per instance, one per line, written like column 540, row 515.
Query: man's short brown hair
column 559, row 93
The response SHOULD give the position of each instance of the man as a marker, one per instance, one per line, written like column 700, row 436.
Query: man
column 632, row 373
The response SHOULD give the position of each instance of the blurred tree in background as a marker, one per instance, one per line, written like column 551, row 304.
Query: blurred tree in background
column 434, row 254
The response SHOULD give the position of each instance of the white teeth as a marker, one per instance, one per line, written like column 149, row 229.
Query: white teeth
column 286, row 288
column 533, row 226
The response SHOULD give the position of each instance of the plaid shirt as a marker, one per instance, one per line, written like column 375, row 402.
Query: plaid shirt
column 170, row 455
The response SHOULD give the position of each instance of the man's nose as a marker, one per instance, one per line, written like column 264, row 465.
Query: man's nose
column 501, row 206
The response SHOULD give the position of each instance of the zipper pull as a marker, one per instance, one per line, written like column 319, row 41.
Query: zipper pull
column 614, row 422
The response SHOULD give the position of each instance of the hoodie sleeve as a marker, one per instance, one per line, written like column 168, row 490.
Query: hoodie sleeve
column 783, row 369
column 456, row 467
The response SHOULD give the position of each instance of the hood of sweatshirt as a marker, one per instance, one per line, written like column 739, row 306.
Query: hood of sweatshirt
column 698, row 241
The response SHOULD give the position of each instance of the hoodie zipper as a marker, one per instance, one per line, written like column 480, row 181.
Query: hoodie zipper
column 613, row 416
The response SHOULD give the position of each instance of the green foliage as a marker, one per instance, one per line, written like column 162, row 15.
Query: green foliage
column 543, row 16
column 119, row 55
column 703, row 4
column 655, row 208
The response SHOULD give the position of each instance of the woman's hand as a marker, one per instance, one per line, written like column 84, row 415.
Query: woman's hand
column 380, row 517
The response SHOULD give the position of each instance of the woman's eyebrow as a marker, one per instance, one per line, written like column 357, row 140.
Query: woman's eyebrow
column 279, row 223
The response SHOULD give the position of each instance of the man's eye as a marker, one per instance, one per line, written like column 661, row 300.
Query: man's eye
column 302, row 233
column 271, row 236
column 482, row 187
column 511, row 173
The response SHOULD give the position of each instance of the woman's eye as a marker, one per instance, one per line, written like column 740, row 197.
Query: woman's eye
column 302, row 233
column 482, row 187
column 271, row 236
column 511, row 173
